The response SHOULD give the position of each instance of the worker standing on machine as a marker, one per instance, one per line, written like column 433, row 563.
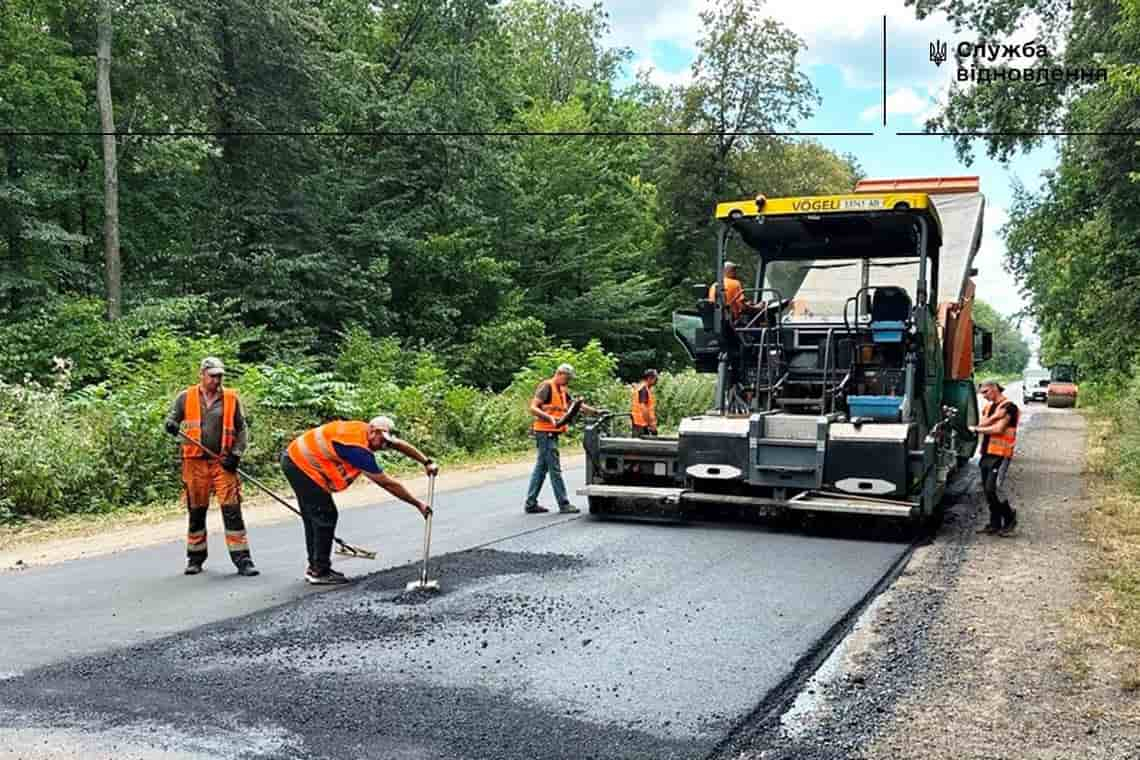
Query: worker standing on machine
column 733, row 291
column 327, row 459
column 210, row 416
column 549, row 407
column 643, row 405
column 999, row 426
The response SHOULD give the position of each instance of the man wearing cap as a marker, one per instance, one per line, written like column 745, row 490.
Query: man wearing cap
column 211, row 416
column 327, row 459
column 548, row 406
column 643, row 405
column 998, row 426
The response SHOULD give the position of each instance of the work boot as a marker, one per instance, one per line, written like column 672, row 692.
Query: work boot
column 535, row 509
column 568, row 509
column 246, row 568
column 989, row 530
column 328, row 577
column 1011, row 526
column 192, row 568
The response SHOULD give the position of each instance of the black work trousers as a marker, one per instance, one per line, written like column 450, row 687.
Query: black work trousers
column 318, row 513
column 994, row 472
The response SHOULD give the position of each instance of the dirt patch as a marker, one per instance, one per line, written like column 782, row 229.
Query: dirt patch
column 981, row 650
column 89, row 536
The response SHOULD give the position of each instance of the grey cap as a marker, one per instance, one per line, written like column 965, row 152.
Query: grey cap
column 566, row 369
column 212, row 365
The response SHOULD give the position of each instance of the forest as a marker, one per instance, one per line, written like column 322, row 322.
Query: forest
column 365, row 205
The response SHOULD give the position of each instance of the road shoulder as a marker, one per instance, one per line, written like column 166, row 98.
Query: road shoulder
column 122, row 532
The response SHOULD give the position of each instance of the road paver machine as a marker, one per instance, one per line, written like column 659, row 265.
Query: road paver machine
column 847, row 388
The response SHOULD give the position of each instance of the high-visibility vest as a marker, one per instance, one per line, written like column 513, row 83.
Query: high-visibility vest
column 192, row 421
column 733, row 295
column 1000, row 444
column 643, row 414
column 556, row 407
column 315, row 455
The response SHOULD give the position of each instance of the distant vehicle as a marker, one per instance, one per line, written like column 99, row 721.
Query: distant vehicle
column 1034, row 385
column 1062, row 390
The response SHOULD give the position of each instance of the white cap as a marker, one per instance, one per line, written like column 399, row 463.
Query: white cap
column 566, row 369
column 384, row 425
column 730, row 265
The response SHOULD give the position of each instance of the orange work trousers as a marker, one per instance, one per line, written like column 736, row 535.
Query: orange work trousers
column 202, row 478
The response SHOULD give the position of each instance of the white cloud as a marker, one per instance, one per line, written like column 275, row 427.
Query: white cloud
column 901, row 102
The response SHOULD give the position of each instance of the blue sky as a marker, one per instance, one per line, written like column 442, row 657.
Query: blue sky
column 844, row 61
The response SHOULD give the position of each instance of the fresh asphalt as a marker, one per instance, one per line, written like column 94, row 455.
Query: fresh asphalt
column 554, row 636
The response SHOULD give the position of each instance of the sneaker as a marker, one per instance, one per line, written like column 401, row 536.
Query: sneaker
column 247, row 569
column 329, row 577
column 569, row 509
column 535, row 509
column 192, row 568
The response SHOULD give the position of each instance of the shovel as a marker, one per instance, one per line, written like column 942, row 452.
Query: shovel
column 423, row 584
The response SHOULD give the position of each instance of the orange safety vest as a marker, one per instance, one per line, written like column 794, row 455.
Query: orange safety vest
column 643, row 414
column 314, row 454
column 192, row 421
column 1000, row 444
column 556, row 407
column 733, row 296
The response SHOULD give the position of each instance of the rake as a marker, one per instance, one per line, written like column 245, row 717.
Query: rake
column 342, row 547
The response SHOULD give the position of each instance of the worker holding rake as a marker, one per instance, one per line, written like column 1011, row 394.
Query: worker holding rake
column 326, row 460
column 209, row 419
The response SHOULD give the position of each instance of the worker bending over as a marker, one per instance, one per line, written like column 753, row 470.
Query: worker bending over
column 212, row 416
column 643, row 405
column 999, row 426
column 327, row 459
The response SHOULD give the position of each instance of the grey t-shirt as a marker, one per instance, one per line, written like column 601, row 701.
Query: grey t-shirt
column 212, row 423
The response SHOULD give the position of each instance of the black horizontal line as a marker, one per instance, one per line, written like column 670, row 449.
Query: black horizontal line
column 1004, row 133
column 411, row 133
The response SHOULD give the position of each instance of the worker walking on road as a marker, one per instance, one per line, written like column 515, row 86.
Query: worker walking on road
column 550, row 403
column 212, row 416
column 999, row 428
column 327, row 459
column 643, row 405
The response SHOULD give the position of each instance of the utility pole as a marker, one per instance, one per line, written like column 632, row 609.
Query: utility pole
column 112, row 264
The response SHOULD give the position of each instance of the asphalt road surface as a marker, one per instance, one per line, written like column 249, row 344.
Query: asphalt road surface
column 554, row 636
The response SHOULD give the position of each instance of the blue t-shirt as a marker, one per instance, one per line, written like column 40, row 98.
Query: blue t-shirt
column 359, row 457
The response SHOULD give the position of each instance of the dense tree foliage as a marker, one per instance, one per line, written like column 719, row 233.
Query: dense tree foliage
column 1075, row 243
column 309, row 167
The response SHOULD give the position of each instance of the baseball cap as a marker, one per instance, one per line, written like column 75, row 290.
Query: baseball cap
column 566, row 369
column 384, row 425
column 212, row 365
column 730, row 265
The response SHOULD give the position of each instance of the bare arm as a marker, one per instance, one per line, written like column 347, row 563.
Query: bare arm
column 411, row 452
column 997, row 427
column 536, row 411
column 396, row 488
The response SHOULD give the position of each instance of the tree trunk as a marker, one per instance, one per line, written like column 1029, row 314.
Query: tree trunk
column 112, row 266
column 12, row 222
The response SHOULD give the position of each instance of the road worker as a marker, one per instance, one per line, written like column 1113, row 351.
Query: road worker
column 643, row 405
column 327, row 459
column 999, row 428
column 733, row 291
column 211, row 415
column 551, row 401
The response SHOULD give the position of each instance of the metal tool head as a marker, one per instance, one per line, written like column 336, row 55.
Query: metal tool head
column 422, row 585
column 356, row 551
